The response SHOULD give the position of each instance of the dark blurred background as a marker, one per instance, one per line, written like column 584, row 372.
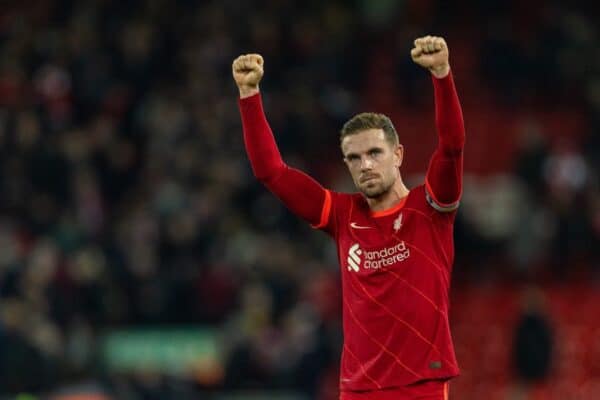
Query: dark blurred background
column 140, row 259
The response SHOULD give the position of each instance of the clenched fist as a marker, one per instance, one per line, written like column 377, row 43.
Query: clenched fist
column 431, row 52
column 247, row 72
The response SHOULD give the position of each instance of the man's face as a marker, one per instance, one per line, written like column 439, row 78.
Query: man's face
column 373, row 162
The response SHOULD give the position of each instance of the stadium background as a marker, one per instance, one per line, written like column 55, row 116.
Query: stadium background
column 139, row 259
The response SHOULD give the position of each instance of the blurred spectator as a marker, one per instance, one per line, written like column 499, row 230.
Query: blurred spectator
column 533, row 340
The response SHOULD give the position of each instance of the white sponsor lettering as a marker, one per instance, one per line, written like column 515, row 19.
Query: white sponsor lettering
column 376, row 259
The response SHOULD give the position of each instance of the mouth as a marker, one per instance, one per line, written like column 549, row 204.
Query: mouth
column 367, row 178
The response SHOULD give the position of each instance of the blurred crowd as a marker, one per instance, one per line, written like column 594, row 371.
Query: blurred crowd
column 126, row 198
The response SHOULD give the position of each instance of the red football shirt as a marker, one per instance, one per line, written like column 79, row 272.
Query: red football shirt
column 395, row 268
column 395, row 264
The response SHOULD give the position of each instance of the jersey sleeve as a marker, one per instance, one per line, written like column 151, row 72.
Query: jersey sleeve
column 303, row 196
column 443, row 182
column 300, row 193
column 334, row 205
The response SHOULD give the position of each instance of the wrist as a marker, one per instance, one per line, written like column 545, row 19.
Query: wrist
column 248, row 91
column 440, row 71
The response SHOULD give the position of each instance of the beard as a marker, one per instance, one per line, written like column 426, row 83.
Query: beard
column 373, row 190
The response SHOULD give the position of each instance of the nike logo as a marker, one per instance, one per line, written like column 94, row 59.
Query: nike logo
column 356, row 226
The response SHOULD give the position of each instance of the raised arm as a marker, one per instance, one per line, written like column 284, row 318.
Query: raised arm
column 444, row 175
column 299, row 192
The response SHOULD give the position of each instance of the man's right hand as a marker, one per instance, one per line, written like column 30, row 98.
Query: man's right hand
column 247, row 72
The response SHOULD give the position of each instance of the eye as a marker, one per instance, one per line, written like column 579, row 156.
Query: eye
column 352, row 157
column 374, row 152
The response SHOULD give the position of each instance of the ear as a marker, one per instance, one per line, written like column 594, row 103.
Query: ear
column 399, row 155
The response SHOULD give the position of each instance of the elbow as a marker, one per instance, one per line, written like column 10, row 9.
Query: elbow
column 451, row 137
column 453, row 146
column 262, row 176
column 452, row 150
column 268, row 175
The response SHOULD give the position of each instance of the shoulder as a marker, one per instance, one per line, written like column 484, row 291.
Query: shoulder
column 421, row 198
column 341, row 200
column 344, row 205
column 337, row 209
column 417, row 198
column 419, row 201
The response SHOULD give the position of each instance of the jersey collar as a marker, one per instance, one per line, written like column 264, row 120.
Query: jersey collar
column 391, row 210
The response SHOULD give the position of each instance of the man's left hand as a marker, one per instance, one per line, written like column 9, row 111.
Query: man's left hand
column 431, row 52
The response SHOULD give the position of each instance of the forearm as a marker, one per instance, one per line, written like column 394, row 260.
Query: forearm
column 448, row 115
column 300, row 193
column 262, row 150
column 444, row 175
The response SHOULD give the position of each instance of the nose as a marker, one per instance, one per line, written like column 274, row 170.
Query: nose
column 366, row 163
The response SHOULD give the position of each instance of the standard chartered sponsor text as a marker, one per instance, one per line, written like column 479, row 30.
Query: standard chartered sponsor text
column 387, row 256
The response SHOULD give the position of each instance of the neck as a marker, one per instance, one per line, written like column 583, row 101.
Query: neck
column 390, row 198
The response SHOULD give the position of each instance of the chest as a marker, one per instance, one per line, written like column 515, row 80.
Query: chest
column 368, row 244
column 373, row 231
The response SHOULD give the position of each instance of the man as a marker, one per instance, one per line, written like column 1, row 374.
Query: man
column 394, row 245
